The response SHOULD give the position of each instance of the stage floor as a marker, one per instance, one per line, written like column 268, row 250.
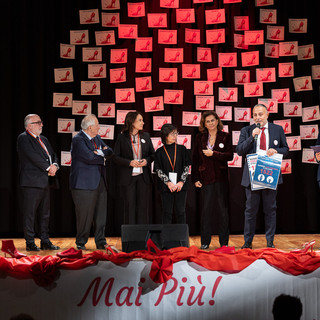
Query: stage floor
column 286, row 242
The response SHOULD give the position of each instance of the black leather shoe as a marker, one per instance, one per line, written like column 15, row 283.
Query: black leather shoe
column 270, row 244
column 204, row 246
column 247, row 245
column 101, row 246
column 48, row 246
column 81, row 247
column 32, row 247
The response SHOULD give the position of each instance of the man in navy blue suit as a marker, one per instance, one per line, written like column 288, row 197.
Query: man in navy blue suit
column 88, row 182
column 38, row 165
column 262, row 135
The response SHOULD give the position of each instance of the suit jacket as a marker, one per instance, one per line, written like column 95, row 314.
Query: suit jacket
column 318, row 144
column 215, row 168
column 34, row 161
column 247, row 145
column 86, row 166
column 123, row 154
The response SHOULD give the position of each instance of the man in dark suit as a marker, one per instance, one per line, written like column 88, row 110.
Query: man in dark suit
column 88, row 182
column 317, row 156
column 262, row 135
column 38, row 164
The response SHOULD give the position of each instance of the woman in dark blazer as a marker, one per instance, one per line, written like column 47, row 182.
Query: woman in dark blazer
column 133, row 155
column 211, row 153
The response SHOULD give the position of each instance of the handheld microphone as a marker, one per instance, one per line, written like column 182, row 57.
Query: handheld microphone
column 256, row 136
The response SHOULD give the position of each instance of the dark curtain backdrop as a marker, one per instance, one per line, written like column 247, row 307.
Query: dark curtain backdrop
column 31, row 35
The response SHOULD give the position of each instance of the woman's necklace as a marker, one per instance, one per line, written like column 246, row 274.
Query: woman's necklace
column 212, row 139
column 134, row 137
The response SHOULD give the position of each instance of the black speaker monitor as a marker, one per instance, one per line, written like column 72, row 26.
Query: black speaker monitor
column 165, row 236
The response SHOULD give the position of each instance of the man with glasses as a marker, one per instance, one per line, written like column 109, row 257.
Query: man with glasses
column 38, row 165
column 317, row 157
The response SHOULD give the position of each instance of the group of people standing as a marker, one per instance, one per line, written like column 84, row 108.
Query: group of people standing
column 133, row 155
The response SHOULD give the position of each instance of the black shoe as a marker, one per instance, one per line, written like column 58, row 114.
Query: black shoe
column 48, row 246
column 81, row 247
column 247, row 245
column 270, row 244
column 101, row 246
column 204, row 246
column 32, row 247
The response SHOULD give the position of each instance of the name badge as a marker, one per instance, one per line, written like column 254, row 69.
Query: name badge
column 136, row 170
column 173, row 177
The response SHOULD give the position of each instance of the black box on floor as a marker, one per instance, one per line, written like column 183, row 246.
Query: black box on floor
column 165, row 236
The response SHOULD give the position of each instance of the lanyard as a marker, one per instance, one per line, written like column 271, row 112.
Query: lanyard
column 175, row 156
column 40, row 142
column 134, row 149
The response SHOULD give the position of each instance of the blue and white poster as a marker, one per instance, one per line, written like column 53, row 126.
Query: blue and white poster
column 251, row 162
column 267, row 171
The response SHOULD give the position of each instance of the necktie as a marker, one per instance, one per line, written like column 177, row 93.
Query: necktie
column 42, row 145
column 94, row 144
column 263, row 140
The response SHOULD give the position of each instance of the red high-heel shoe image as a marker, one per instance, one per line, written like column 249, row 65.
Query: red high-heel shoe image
column 169, row 77
column 242, row 80
column 9, row 248
column 305, row 247
column 217, row 77
column 111, row 249
column 169, row 38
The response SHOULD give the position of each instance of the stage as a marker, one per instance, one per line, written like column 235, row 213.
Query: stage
column 286, row 242
column 180, row 283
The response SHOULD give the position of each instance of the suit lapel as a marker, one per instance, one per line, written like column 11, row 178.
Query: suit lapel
column 271, row 135
column 254, row 147
column 38, row 146
column 88, row 142
column 218, row 140
column 204, row 140
column 143, row 145
column 128, row 142
column 45, row 142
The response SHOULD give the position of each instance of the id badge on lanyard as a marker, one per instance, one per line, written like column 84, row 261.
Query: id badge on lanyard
column 136, row 169
column 173, row 177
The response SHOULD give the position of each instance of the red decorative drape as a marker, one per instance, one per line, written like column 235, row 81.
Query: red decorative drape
column 45, row 270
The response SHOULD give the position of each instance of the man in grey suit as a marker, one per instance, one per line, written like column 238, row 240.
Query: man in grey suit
column 38, row 164
column 270, row 137
column 88, row 182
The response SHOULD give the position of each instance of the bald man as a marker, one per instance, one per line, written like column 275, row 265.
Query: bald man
column 262, row 135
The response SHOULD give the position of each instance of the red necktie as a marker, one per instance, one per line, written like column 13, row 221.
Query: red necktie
column 263, row 140
column 42, row 145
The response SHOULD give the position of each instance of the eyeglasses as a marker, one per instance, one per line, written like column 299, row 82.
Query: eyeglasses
column 174, row 133
column 37, row 122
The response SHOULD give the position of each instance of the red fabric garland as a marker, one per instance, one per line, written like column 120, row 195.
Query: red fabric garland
column 45, row 270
